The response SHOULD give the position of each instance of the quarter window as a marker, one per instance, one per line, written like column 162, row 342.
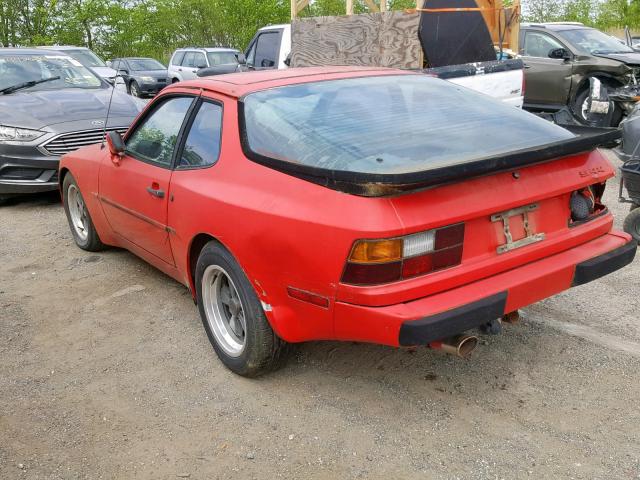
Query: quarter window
column 202, row 146
column 538, row 44
column 155, row 139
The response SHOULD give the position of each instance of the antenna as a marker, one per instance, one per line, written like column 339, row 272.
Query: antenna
column 106, row 120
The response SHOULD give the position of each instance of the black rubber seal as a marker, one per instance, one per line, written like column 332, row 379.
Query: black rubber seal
column 604, row 264
column 452, row 322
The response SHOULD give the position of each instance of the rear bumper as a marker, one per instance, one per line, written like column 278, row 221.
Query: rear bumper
column 452, row 312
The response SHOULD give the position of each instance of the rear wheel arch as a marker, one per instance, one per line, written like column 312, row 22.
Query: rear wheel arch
column 197, row 244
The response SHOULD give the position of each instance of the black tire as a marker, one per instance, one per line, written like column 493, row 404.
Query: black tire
column 614, row 119
column 134, row 89
column 634, row 206
column 632, row 224
column 263, row 351
column 92, row 241
column 175, row 80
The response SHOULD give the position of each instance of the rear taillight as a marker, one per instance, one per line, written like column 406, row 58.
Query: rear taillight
column 373, row 262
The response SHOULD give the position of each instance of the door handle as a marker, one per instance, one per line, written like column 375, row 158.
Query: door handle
column 179, row 69
column 154, row 190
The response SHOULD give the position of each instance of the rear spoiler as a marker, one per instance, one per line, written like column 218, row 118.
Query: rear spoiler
column 378, row 185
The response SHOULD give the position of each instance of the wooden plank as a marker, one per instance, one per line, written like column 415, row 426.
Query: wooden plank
column 373, row 8
column 388, row 39
column 294, row 9
column 349, row 7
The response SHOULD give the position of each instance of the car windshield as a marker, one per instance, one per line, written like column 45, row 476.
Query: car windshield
column 138, row 64
column 390, row 124
column 221, row 58
column 593, row 42
column 17, row 69
column 86, row 58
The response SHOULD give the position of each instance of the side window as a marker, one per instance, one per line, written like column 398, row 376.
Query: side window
column 199, row 59
column 177, row 58
column 188, row 60
column 537, row 44
column 202, row 146
column 155, row 138
column 267, row 46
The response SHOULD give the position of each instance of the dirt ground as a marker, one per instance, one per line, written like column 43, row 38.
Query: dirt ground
column 106, row 372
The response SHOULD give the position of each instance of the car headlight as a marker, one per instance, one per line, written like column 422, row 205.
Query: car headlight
column 18, row 134
column 146, row 79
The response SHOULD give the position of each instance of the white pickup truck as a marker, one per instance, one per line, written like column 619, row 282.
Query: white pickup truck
column 501, row 79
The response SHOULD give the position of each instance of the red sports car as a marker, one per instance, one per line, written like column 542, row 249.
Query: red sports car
column 343, row 203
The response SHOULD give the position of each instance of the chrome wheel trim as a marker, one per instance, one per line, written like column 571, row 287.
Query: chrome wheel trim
column 77, row 212
column 223, row 310
column 135, row 90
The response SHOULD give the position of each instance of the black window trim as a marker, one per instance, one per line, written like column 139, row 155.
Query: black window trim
column 185, row 135
column 150, row 111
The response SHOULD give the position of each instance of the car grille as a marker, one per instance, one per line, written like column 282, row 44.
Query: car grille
column 68, row 142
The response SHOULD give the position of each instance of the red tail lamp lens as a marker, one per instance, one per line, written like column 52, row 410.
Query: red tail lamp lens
column 373, row 262
column 308, row 297
column 372, row 274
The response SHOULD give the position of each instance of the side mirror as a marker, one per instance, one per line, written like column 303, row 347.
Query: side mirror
column 115, row 144
column 242, row 60
column 267, row 63
column 122, row 71
column 201, row 65
column 559, row 53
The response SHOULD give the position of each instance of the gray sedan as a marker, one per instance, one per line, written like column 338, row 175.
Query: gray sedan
column 51, row 105
column 143, row 76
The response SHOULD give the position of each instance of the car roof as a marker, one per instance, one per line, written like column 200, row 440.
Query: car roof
column 557, row 26
column 62, row 47
column 28, row 51
column 239, row 84
column 209, row 49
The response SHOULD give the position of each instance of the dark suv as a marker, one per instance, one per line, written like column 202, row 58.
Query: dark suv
column 559, row 60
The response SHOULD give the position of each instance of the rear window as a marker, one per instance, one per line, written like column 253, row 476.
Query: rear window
column 387, row 125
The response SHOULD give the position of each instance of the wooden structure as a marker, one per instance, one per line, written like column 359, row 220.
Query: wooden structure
column 503, row 22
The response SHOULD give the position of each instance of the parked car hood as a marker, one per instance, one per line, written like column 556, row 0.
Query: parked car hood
column 149, row 73
column 38, row 109
column 631, row 58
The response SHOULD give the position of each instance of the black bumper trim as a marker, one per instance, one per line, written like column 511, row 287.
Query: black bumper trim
column 604, row 264
column 452, row 322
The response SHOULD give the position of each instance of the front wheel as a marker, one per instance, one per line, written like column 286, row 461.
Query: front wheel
column 134, row 88
column 632, row 224
column 581, row 109
column 233, row 317
column 80, row 223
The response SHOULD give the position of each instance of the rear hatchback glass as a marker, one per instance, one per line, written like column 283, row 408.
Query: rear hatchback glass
column 395, row 124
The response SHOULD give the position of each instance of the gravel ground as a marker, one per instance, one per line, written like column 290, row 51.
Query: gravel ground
column 106, row 372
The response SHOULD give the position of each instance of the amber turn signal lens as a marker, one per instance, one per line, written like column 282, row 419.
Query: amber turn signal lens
column 376, row 251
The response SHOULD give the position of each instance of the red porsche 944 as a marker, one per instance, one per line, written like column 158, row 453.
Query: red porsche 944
column 371, row 205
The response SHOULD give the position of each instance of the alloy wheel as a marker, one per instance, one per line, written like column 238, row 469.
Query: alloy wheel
column 78, row 212
column 224, row 310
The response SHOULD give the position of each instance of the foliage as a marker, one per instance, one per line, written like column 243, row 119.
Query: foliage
column 154, row 28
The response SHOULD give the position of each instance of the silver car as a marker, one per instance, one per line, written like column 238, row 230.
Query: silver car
column 51, row 105
column 87, row 58
column 185, row 62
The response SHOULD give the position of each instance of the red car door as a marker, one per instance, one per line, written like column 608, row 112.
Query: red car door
column 134, row 191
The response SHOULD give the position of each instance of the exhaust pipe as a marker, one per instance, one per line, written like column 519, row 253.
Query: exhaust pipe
column 460, row 346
